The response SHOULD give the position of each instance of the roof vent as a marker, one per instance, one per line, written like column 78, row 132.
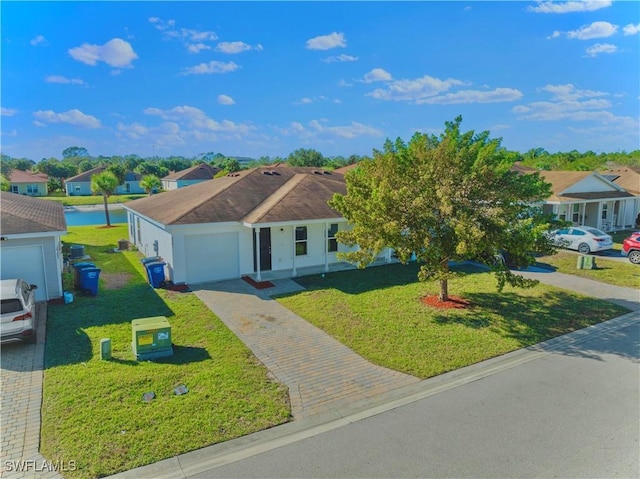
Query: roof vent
column 275, row 173
column 233, row 174
column 317, row 172
column 265, row 172
column 326, row 172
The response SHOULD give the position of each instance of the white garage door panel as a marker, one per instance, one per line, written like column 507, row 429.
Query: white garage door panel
column 212, row 257
column 25, row 262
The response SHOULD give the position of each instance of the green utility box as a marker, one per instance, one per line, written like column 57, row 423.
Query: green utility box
column 586, row 262
column 151, row 338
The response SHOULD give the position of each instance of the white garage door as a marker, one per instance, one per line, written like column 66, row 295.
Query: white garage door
column 212, row 257
column 25, row 262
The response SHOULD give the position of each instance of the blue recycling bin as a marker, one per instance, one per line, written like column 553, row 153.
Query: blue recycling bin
column 155, row 272
column 89, row 280
column 77, row 267
column 150, row 259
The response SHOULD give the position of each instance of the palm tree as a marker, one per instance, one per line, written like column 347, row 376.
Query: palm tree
column 105, row 184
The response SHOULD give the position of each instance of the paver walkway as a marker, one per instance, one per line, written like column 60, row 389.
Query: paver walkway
column 21, row 374
column 320, row 372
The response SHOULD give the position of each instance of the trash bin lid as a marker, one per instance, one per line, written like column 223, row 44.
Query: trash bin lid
column 84, row 265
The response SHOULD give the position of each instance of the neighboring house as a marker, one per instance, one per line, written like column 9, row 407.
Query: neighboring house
column 26, row 183
column 80, row 185
column 31, row 247
column 590, row 199
column 273, row 218
column 190, row 176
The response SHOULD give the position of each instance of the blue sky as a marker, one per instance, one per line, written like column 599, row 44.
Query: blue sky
column 265, row 78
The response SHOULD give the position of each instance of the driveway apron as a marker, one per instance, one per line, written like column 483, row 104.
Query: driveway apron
column 320, row 372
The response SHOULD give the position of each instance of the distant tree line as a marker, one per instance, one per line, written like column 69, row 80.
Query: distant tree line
column 76, row 160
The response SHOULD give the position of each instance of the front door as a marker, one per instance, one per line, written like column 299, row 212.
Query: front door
column 265, row 250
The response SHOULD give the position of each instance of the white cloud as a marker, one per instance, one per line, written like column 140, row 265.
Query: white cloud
column 233, row 48
column 116, row 53
column 377, row 74
column 569, row 7
column 72, row 117
column 414, row 90
column 315, row 130
column 197, row 120
column 326, row 42
column 340, row 58
column 64, row 80
column 38, row 40
column 226, row 100
column 631, row 29
column 8, row 111
column 197, row 47
column 474, row 96
column 595, row 30
column 344, row 83
column 568, row 92
column 192, row 39
column 601, row 48
column 211, row 67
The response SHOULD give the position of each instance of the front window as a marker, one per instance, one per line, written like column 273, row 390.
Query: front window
column 139, row 234
column 32, row 189
column 14, row 189
column 605, row 208
column 332, row 243
column 576, row 213
column 77, row 189
column 301, row 240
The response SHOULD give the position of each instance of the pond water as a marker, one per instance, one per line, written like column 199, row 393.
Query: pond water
column 94, row 217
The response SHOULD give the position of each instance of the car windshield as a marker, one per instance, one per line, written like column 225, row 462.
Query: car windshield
column 10, row 306
column 596, row 232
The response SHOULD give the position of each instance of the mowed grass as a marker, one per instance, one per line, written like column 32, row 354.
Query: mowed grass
column 379, row 314
column 90, row 200
column 93, row 411
column 619, row 273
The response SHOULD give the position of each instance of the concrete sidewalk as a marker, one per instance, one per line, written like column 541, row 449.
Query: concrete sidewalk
column 320, row 372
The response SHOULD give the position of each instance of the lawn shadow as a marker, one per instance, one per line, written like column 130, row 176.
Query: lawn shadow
column 181, row 355
column 531, row 320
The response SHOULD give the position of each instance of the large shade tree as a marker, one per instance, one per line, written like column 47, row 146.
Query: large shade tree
column 442, row 199
column 104, row 184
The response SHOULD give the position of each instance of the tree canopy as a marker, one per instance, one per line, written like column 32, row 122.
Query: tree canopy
column 447, row 198
column 150, row 183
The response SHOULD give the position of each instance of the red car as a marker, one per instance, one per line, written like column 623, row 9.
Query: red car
column 631, row 247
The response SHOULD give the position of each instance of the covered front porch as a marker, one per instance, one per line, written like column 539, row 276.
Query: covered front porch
column 606, row 214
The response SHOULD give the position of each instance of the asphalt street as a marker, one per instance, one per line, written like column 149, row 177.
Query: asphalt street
column 569, row 409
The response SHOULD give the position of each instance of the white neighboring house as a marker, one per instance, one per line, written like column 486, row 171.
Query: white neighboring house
column 590, row 199
column 273, row 218
column 31, row 246
column 190, row 176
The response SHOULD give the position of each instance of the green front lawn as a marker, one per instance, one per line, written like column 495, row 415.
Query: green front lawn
column 378, row 313
column 619, row 273
column 93, row 411
column 89, row 200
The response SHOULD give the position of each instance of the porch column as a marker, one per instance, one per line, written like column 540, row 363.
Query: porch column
column 293, row 241
column 583, row 213
column 599, row 222
column 257, row 233
column 388, row 255
column 326, row 247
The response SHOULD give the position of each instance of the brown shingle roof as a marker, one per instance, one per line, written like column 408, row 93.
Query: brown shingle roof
column 202, row 171
column 19, row 176
column 265, row 194
column 23, row 214
column 627, row 178
column 561, row 180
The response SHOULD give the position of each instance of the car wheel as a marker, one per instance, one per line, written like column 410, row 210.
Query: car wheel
column 634, row 256
column 584, row 248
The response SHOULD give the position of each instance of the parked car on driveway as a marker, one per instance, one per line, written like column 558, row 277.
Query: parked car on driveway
column 582, row 238
column 18, row 311
column 631, row 247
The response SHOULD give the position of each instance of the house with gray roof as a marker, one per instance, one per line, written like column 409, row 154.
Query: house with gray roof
column 190, row 176
column 80, row 185
column 267, row 219
column 31, row 246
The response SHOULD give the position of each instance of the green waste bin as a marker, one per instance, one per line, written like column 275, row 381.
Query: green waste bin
column 580, row 263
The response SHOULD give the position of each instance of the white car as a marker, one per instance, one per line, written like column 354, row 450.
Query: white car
column 582, row 238
column 18, row 311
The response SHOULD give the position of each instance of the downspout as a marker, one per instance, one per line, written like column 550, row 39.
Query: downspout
column 293, row 242
column 258, row 275
column 326, row 247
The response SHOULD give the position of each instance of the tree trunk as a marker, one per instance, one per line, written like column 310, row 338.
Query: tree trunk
column 444, row 283
column 106, row 209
